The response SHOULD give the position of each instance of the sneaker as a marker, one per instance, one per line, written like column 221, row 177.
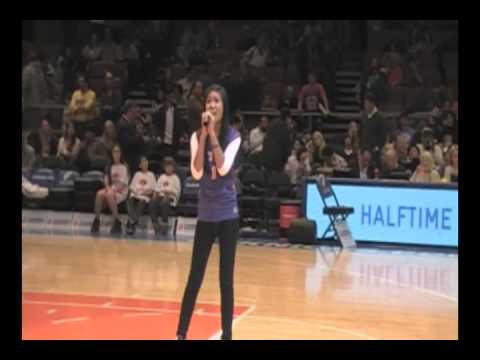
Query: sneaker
column 116, row 228
column 95, row 229
column 180, row 337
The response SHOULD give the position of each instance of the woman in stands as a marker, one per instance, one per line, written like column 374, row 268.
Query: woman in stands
column 213, row 150
column 114, row 193
column 69, row 145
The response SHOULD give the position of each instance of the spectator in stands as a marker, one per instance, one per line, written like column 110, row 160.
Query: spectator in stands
column 391, row 167
column 110, row 51
column 256, row 138
column 169, row 126
column 109, row 136
column 186, row 83
column 257, row 56
column 403, row 128
column 447, row 121
column 428, row 144
column 425, row 172
column 91, row 151
column 160, row 99
column 111, row 99
column 366, row 170
column 298, row 165
column 451, row 171
column 289, row 99
column 195, row 107
column 354, row 134
column 28, row 153
column 141, row 192
column 130, row 140
column 374, row 134
column 69, row 144
column 313, row 97
column 34, row 82
column 179, row 96
column 349, row 153
column 92, row 51
column 82, row 109
column 332, row 160
column 401, row 147
column 376, row 83
column 43, row 141
column 446, row 145
column 276, row 144
column 413, row 159
column 167, row 193
column 114, row 193
column 316, row 148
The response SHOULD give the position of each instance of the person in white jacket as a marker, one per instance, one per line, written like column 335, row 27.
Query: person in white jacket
column 166, row 194
column 141, row 191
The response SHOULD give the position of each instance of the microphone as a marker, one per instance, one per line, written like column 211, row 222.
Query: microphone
column 205, row 119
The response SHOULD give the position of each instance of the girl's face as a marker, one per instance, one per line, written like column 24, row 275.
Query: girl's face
column 144, row 165
column 214, row 105
column 116, row 154
column 169, row 169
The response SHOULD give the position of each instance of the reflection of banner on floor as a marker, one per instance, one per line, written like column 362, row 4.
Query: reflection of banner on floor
column 185, row 226
column 45, row 220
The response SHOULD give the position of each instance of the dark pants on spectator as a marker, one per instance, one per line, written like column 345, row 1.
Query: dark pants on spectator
column 135, row 209
column 162, row 202
column 205, row 234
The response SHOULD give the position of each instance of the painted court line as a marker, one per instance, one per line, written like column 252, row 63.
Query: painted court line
column 70, row 320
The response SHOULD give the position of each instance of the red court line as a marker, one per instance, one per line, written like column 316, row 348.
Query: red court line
column 48, row 316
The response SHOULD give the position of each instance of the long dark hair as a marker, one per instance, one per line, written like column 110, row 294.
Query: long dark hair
column 225, row 122
column 108, row 169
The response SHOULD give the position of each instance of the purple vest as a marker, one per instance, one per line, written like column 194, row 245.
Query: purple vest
column 217, row 197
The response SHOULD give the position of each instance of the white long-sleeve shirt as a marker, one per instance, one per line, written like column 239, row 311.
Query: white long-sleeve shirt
column 169, row 183
column 143, row 185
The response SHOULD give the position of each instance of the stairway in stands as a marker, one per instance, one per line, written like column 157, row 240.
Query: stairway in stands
column 347, row 78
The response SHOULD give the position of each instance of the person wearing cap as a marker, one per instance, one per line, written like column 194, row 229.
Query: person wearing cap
column 167, row 193
column 169, row 126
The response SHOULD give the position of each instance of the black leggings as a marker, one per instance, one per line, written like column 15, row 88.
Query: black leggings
column 205, row 234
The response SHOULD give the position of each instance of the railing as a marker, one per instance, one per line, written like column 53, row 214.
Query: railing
column 32, row 114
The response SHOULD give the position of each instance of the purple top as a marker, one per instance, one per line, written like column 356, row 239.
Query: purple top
column 217, row 199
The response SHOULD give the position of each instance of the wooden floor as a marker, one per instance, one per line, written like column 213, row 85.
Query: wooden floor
column 290, row 293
